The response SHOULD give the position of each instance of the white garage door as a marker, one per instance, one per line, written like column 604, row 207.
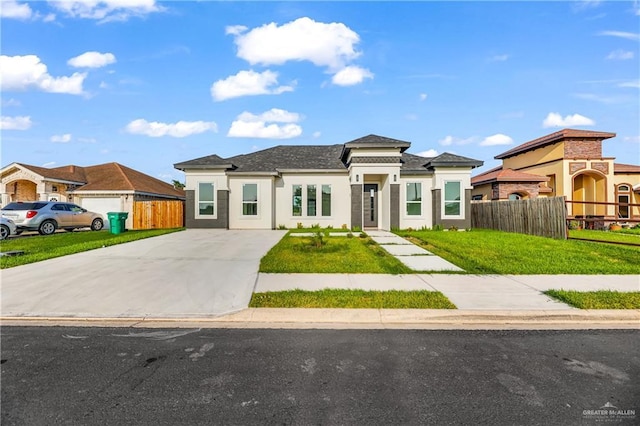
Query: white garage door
column 102, row 205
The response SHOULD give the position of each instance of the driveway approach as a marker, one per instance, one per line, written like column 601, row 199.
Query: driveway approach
column 193, row 273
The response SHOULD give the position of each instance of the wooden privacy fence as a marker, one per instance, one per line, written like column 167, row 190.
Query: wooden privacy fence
column 545, row 217
column 158, row 214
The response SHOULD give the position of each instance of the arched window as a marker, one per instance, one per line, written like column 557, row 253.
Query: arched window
column 515, row 196
column 623, row 197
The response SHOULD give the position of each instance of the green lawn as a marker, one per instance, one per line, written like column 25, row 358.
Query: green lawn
column 336, row 298
column 598, row 299
column 622, row 236
column 39, row 248
column 338, row 255
column 483, row 251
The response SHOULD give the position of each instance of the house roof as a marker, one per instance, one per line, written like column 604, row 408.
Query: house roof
column 625, row 168
column 322, row 157
column 554, row 138
column 498, row 174
column 107, row 177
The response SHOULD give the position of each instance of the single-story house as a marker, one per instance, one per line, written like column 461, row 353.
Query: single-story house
column 567, row 163
column 369, row 183
column 103, row 188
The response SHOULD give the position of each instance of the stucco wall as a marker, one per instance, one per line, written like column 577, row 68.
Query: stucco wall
column 264, row 218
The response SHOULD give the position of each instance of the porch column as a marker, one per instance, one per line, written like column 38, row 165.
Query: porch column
column 356, row 206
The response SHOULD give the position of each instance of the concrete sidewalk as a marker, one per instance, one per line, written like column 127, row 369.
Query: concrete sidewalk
column 473, row 292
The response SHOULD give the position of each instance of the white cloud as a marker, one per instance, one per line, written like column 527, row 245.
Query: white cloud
column 248, row 83
column 49, row 164
column 428, row 153
column 11, row 103
column 87, row 140
column 621, row 34
column 92, row 60
column 249, row 125
column 452, row 140
column 602, row 99
column 24, row 72
column 316, row 135
column 423, row 96
column 632, row 139
column 351, row 75
column 499, row 58
column 633, row 83
column 235, row 29
column 329, row 45
column 66, row 138
column 180, row 129
column 497, row 139
column 621, row 55
column 106, row 10
column 555, row 120
column 14, row 10
column 15, row 123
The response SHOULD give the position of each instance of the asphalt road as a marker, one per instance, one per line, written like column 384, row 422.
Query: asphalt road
column 117, row 376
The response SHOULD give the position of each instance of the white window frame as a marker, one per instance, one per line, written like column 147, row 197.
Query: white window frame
column 444, row 200
column 198, row 201
column 304, row 200
column 322, row 186
column 257, row 202
column 407, row 202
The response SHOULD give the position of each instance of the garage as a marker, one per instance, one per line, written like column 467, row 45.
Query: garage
column 102, row 205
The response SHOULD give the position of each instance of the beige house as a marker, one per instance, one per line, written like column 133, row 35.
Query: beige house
column 567, row 163
column 103, row 188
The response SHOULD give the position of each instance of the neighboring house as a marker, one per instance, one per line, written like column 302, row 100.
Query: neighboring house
column 369, row 182
column 565, row 163
column 103, row 188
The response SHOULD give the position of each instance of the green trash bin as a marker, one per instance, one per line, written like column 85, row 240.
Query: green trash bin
column 117, row 222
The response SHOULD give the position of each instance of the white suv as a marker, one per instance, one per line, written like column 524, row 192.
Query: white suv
column 47, row 216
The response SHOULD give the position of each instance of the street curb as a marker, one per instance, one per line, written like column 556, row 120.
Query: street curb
column 358, row 318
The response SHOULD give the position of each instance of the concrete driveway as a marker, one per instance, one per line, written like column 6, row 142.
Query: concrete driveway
column 193, row 273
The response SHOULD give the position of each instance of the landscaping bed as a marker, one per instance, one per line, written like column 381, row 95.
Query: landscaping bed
column 483, row 251
column 604, row 299
column 352, row 299
column 38, row 248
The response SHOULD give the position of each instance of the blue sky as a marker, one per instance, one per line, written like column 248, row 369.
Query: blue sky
column 149, row 84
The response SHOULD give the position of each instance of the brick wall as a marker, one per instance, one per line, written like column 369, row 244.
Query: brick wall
column 503, row 189
column 22, row 190
column 582, row 149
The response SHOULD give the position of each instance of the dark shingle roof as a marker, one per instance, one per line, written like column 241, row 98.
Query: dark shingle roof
column 322, row 157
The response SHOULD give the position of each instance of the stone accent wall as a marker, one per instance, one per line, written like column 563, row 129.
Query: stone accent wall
column 530, row 189
column 356, row 206
column 582, row 149
column 222, row 221
column 22, row 190
column 576, row 167
column 395, row 206
column 600, row 166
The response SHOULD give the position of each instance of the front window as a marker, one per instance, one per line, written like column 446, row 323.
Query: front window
column 206, row 199
column 311, row 200
column 624, row 197
column 297, row 200
column 326, row 200
column 452, row 199
column 250, row 199
column 414, row 199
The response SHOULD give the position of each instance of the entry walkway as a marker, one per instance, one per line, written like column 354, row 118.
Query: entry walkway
column 411, row 255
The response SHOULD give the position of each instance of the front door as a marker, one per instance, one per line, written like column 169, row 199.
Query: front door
column 370, row 205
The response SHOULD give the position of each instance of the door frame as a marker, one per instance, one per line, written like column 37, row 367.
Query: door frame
column 366, row 189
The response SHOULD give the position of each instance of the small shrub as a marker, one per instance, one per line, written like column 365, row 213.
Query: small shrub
column 574, row 224
column 282, row 227
column 349, row 235
column 453, row 228
column 344, row 226
column 318, row 240
column 424, row 228
column 299, row 225
column 409, row 229
column 438, row 227
column 363, row 235
column 329, row 227
column 356, row 229
column 315, row 226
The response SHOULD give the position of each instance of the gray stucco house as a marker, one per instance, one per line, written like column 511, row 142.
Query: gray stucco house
column 370, row 183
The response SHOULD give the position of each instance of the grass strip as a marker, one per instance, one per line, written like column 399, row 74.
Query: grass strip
column 603, row 299
column 42, row 247
column 485, row 251
column 338, row 255
column 352, row 299
column 612, row 236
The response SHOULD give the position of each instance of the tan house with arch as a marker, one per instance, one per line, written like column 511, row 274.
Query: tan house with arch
column 567, row 163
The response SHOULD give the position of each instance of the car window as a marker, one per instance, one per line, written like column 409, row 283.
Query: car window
column 75, row 208
column 59, row 207
column 24, row 206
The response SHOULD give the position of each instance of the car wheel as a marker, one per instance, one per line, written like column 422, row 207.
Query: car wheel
column 4, row 232
column 97, row 224
column 47, row 227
